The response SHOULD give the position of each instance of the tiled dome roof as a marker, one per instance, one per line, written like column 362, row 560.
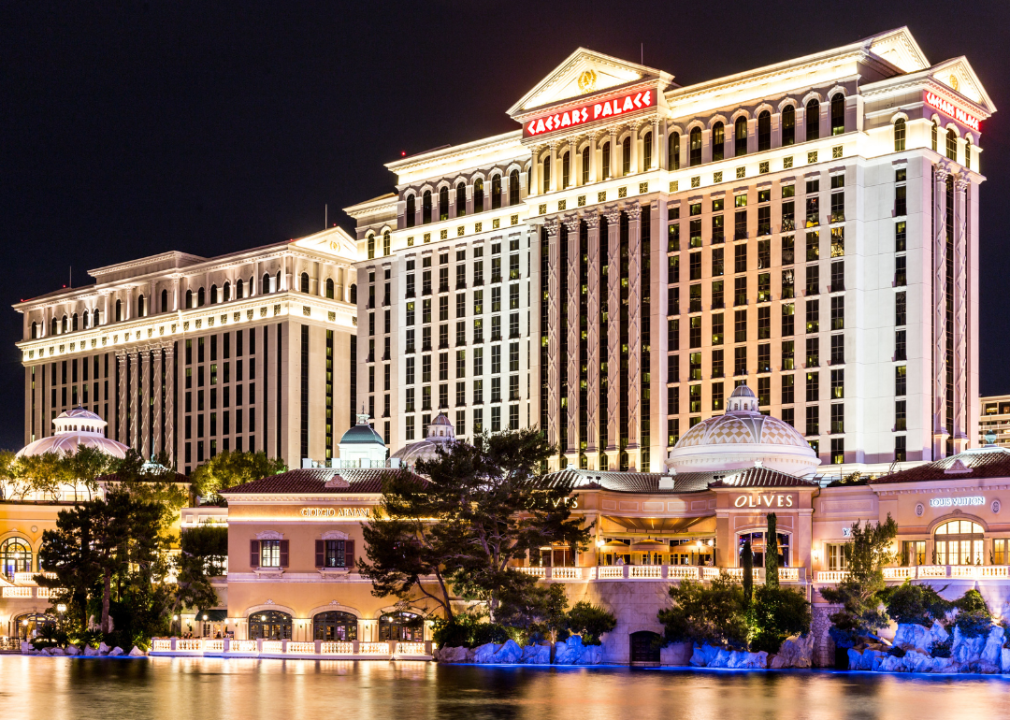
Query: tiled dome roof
column 726, row 429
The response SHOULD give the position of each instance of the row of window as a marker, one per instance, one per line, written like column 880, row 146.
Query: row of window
column 512, row 197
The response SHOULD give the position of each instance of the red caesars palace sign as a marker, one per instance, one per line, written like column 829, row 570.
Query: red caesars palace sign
column 582, row 114
column 948, row 108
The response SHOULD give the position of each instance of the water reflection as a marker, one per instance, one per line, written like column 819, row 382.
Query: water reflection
column 249, row 689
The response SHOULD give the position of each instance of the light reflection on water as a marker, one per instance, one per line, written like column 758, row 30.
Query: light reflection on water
column 247, row 689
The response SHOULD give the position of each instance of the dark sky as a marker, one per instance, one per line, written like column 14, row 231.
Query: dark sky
column 132, row 128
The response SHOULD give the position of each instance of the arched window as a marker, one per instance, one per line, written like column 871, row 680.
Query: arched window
column 335, row 627
column 65, row 325
column 403, row 626
column 514, row 187
column 354, row 293
column 837, row 114
column 30, row 625
column 74, row 320
column 270, row 625
column 95, row 318
column 252, row 286
column 386, row 243
column 141, row 306
column 329, row 288
column 935, row 132
column 278, row 285
column 239, row 289
column 496, row 191
column 740, row 136
column 606, row 160
column 959, row 542
column 566, row 170
column 813, row 120
column 35, row 330
column 226, row 292
column 952, row 144
column 426, row 207
column 54, row 327
column 370, row 243
column 694, row 156
column 201, row 297
column 967, row 152
column 647, row 152
column 189, row 299
column 119, row 310
column 585, row 165
column 718, row 142
column 788, row 125
column 626, row 156
column 765, row 131
column 265, row 285
column 623, row 462
column 443, row 203
column 461, row 199
column 15, row 556
column 478, row 196
column 411, row 211
column 899, row 135
column 758, row 543
column 673, row 152
column 164, row 300
column 304, row 284
column 213, row 294
column 547, row 174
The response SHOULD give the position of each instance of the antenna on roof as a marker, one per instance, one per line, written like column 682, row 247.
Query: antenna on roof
column 71, row 276
column 326, row 216
column 642, row 48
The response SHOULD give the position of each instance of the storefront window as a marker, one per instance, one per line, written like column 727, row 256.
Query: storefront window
column 999, row 548
column 30, row 625
column 15, row 556
column 837, row 561
column 959, row 542
column 758, row 544
column 404, row 626
column 335, row 627
column 913, row 552
column 271, row 625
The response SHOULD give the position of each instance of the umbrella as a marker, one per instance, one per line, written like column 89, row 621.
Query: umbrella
column 650, row 545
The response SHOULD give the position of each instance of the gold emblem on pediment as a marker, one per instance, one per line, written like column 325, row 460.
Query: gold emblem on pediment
column 587, row 81
column 953, row 82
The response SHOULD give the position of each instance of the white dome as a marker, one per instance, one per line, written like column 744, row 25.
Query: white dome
column 73, row 428
column 440, row 433
column 741, row 438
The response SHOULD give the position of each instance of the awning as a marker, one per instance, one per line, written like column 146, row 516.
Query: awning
column 658, row 525
column 217, row 616
column 650, row 545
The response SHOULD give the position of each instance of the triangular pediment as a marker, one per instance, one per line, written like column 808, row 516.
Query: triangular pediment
column 584, row 72
column 958, row 75
column 332, row 241
column 899, row 48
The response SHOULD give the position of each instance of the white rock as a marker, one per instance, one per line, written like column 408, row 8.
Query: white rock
column 992, row 650
column 796, row 652
column 137, row 652
column 57, row 651
column 103, row 649
column 484, row 653
column 116, row 652
column 90, row 651
column 722, row 659
column 26, row 647
column 591, row 655
column 890, row 663
column 911, row 635
column 536, row 655
column 509, row 653
column 568, row 653
column 939, row 633
column 73, row 650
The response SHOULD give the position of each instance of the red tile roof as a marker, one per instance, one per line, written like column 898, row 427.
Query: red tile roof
column 985, row 462
column 635, row 482
column 314, row 480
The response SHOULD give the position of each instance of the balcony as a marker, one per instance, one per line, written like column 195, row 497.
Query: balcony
column 495, row 337
column 496, row 278
column 788, row 224
column 654, row 572
column 461, row 285
column 311, row 649
column 927, row 572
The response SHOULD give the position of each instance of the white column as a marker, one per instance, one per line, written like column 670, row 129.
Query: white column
column 124, row 427
column 145, row 379
column 574, row 296
column 960, row 315
column 939, row 312
column 613, row 336
column 593, row 342
column 158, row 409
column 555, row 170
column 634, row 334
column 553, row 333
column 134, row 403
column 534, row 171
column 170, row 401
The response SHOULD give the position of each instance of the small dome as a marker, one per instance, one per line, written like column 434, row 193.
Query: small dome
column 440, row 433
column 741, row 438
column 362, row 434
column 74, row 428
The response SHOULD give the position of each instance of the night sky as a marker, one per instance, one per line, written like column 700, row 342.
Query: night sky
column 132, row 128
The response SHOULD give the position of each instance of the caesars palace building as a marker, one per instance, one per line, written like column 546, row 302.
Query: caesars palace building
column 608, row 272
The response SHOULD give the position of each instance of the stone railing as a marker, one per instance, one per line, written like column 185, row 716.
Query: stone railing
column 656, row 572
column 290, row 648
column 928, row 572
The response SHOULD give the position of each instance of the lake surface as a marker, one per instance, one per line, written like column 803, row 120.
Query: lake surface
column 191, row 688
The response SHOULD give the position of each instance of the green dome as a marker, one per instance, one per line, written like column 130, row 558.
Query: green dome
column 362, row 434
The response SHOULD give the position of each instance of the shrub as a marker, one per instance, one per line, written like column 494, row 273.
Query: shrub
column 775, row 614
column 973, row 624
column 451, row 633
column 714, row 614
column 918, row 604
column 484, row 633
column 942, row 649
column 590, row 621
column 972, row 602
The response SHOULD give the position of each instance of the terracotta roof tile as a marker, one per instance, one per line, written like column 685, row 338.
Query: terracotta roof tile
column 634, row 482
column 985, row 462
column 313, row 480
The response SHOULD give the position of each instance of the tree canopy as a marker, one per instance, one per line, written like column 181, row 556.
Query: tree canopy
column 229, row 469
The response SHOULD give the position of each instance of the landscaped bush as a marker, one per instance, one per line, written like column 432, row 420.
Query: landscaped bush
column 590, row 621
column 942, row 649
column 972, row 602
column 918, row 604
column 715, row 614
column 484, row 633
column 973, row 624
column 775, row 614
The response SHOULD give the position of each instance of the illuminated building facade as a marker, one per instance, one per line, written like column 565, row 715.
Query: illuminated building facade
column 810, row 228
column 193, row 356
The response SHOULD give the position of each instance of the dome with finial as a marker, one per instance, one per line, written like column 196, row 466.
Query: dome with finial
column 743, row 437
column 440, row 433
column 73, row 428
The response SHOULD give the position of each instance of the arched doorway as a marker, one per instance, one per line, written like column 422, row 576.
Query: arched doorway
column 15, row 556
column 405, row 626
column 335, row 626
column 645, row 647
column 959, row 542
column 758, row 542
column 30, row 625
column 270, row 625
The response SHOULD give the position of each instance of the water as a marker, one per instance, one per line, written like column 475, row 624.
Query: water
column 184, row 689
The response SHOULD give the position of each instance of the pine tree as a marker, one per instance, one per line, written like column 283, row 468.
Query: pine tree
column 772, row 554
column 748, row 572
